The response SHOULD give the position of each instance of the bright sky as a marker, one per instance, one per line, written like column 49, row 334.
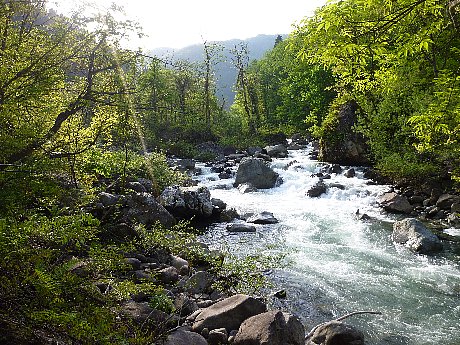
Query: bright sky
column 179, row 23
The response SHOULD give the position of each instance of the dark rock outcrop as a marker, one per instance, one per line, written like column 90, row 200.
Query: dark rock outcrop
column 263, row 218
column 318, row 189
column 395, row 203
column 240, row 227
column 349, row 147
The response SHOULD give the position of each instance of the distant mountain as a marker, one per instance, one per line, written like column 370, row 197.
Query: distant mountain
column 225, row 72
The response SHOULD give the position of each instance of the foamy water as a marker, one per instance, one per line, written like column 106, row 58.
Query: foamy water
column 336, row 263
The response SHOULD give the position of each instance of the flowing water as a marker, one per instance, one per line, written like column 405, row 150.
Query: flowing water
column 333, row 263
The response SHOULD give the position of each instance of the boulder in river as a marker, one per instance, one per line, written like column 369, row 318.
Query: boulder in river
column 187, row 201
column 263, row 218
column 279, row 151
column 144, row 208
column 228, row 313
column 416, row 236
column 256, row 172
column 395, row 203
column 273, row 327
column 336, row 333
column 318, row 189
column 240, row 227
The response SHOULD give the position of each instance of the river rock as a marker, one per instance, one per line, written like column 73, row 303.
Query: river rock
column 141, row 312
column 143, row 208
column 279, row 151
column 318, row 189
column 108, row 199
column 256, row 172
column 182, row 337
column 218, row 336
column 395, row 203
column 263, row 218
column 350, row 173
column 187, row 201
column 240, row 227
column 414, row 235
column 200, row 282
column 228, row 313
column 178, row 262
column 273, row 327
column 228, row 215
column 336, row 333
column 445, row 201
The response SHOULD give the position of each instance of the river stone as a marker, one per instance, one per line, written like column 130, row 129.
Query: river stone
column 350, row 173
column 263, row 218
column 228, row 313
column 200, row 282
column 318, row 189
column 277, row 151
column 445, row 201
column 240, row 227
column 218, row 336
column 187, row 201
column 336, row 333
column 178, row 262
column 414, row 235
column 141, row 312
column 256, row 172
column 108, row 199
column 395, row 203
column 181, row 337
column 273, row 327
column 143, row 208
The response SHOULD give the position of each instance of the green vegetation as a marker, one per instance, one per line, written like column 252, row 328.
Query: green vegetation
column 80, row 115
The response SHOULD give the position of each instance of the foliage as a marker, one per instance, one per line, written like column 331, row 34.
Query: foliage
column 399, row 60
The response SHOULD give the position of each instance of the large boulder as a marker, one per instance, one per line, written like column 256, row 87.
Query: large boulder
column 228, row 313
column 255, row 172
column 414, row 235
column 336, row 333
column 395, row 203
column 446, row 201
column 273, row 327
column 144, row 208
column 185, row 202
column 350, row 148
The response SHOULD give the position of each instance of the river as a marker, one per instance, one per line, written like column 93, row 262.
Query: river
column 333, row 263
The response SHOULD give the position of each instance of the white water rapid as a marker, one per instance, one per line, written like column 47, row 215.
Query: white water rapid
column 337, row 264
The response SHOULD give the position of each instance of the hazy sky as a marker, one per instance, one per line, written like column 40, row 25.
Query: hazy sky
column 178, row 23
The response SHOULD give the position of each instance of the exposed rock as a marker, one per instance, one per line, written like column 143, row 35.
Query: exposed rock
column 318, row 189
column 228, row 313
column 228, row 215
column 240, row 227
column 337, row 185
column 414, row 235
column 455, row 208
column 295, row 146
column 135, row 263
column 141, row 312
column 263, row 218
column 181, row 337
column 148, row 184
column 108, row 199
column 136, row 186
column 218, row 204
column 254, row 150
column 446, row 201
column 246, row 188
column 281, row 294
column 169, row 275
column 143, row 208
column 257, row 173
column 396, row 203
column 178, row 262
column 218, row 336
column 336, row 333
column 335, row 169
column 185, row 305
column 297, row 138
column 351, row 148
column 279, row 151
column 350, row 173
column 453, row 220
column 187, row 201
column 273, row 327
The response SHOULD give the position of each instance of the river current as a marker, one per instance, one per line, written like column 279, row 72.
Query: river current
column 333, row 263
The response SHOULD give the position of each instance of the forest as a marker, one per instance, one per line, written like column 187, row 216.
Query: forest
column 80, row 114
